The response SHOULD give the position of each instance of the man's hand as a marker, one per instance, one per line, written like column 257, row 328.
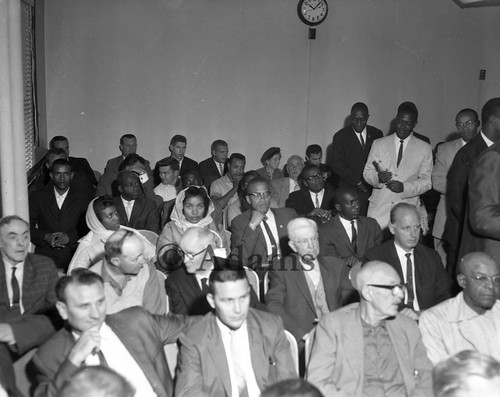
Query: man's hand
column 325, row 215
column 352, row 261
column 410, row 313
column 6, row 334
column 256, row 219
column 61, row 239
column 384, row 176
column 89, row 341
column 236, row 180
column 395, row 186
column 362, row 187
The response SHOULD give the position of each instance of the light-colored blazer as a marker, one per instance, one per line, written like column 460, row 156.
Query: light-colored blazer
column 444, row 158
column 280, row 190
column 414, row 172
column 336, row 365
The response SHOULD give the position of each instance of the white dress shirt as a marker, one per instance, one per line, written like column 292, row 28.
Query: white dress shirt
column 402, row 260
column 60, row 197
column 320, row 197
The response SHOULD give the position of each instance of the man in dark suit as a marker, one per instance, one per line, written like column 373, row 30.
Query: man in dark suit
column 234, row 350
column 177, row 148
column 313, row 200
column 130, row 342
column 418, row 266
column 482, row 232
column 304, row 286
column 78, row 164
column 128, row 145
column 27, row 297
column 187, row 287
column 350, row 149
column 57, row 216
column 214, row 167
column 259, row 235
column 135, row 210
column 348, row 235
column 458, row 187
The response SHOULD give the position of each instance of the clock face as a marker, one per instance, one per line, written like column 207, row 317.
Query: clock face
column 312, row 12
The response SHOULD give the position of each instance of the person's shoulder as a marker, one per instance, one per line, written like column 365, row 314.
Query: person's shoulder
column 190, row 161
column 265, row 319
column 41, row 261
column 284, row 211
column 201, row 330
column 54, row 345
column 336, row 317
column 439, row 312
column 243, row 217
column 205, row 163
column 427, row 251
column 404, row 322
column 374, row 131
column 343, row 132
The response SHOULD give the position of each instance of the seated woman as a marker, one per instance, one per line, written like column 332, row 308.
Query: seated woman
column 271, row 161
column 192, row 208
column 103, row 220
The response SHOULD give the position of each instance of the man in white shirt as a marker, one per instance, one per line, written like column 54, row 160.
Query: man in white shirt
column 130, row 342
column 471, row 320
column 215, row 358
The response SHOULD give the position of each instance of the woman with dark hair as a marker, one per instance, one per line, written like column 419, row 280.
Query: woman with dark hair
column 103, row 220
column 192, row 208
column 271, row 162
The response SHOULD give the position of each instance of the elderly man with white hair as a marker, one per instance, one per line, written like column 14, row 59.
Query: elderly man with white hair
column 369, row 349
column 282, row 187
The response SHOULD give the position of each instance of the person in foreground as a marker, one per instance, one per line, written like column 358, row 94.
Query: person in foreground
column 235, row 350
column 130, row 342
column 369, row 348
column 467, row 374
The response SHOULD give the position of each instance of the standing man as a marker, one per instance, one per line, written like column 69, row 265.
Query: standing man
column 399, row 167
column 369, row 348
column 351, row 146
column 467, row 124
column 128, row 145
column 234, row 350
column 482, row 231
column 27, row 297
column 418, row 266
column 129, row 342
column 177, row 148
column 471, row 320
column 214, row 167
column 57, row 216
column 259, row 235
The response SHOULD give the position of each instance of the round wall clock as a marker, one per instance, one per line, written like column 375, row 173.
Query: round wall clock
column 312, row 12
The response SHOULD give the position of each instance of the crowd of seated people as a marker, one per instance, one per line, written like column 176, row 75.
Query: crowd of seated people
column 329, row 258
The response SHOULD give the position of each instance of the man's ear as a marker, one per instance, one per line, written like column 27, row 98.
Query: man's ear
column 462, row 281
column 115, row 261
column 391, row 228
column 248, row 200
column 51, row 175
column 210, row 299
column 120, row 189
column 337, row 207
column 366, row 293
column 71, row 176
column 121, row 148
column 62, row 309
column 292, row 245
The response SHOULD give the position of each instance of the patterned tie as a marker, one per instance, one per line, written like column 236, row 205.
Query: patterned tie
column 317, row 201
column 409, row 280
column 274, row 246
column 354, row 240
column 239, row 372
column 362, row 140
column 15, row 307
column 400, row 153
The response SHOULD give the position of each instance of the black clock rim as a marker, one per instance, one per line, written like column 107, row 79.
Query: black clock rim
column 309, row 23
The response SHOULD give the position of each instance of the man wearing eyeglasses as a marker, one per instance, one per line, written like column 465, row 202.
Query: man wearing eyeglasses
column 418, row 266
column 471, row 320
column 259, row 234
column 369, row 348
column 313, row 200
column 467, row 124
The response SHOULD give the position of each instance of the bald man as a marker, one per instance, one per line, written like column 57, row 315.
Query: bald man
column 471, row 320
column 187, row 286
column 369, row 348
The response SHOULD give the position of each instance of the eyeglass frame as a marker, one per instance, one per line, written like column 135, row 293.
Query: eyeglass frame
column 191, row 256
column 393, row 287
column 481, row 280
column 259, row 195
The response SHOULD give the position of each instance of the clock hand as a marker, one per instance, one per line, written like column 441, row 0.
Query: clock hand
column 317, row 5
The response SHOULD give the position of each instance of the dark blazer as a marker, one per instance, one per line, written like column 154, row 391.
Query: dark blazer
column 46, row 217
column 431, row 280
column 334, row 241
column 145, row 215
column 290, row 298
column 349, row 158
column 186, row 297
column 33, row 327
column 249, row 246
column 113, row 165
column 302, row 203
column 202, row 365
column 482, row 231
column 80, row 164
column 209, row 171
column 143, row 335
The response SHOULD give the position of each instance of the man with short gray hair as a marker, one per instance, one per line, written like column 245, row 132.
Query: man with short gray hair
column 282, row 187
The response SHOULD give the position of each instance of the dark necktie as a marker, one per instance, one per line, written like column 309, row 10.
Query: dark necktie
column 409, row 280
column 274, row 246
column 15, row 292
column 362, row 140
column 400, row 153
column 354, row 240
column 204, row 285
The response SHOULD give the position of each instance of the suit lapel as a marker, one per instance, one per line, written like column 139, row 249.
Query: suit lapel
column 28, row 283
column 400, row 343
column 418, row 265
column 342, row 233
column 69, row 200
column 218, row 355
column 121, row 211
column 362, row 233
column 394, row 258
column 353, row 331
column 300, row 279
column 331, row 285
column 257, row 345
column 4, row 297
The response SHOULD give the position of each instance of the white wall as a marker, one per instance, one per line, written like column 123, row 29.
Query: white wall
column 245, row 71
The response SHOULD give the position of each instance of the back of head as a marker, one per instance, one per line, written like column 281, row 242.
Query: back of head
column 490, row 109
column 292, row 388
column 96, row 381
column 114, row 244
column 467, row 374
column 201, row 236
column 79, row 276
column 408, row 108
